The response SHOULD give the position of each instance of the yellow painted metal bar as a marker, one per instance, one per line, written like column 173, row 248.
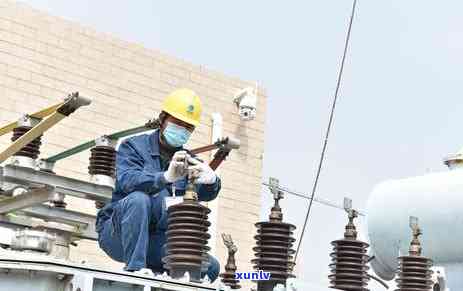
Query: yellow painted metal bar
column 8, row 128
column 47, row 111
column 32, row 134
column 39, row 114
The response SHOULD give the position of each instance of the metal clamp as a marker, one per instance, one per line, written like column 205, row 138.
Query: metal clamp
column 72, row 103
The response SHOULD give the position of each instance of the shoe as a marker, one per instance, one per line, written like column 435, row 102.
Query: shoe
column 144, row 272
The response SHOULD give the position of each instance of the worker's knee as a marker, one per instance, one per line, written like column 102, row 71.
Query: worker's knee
column 138, row 201
column 214, row 268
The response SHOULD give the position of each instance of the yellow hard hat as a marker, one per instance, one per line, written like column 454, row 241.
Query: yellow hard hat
column 183, row 104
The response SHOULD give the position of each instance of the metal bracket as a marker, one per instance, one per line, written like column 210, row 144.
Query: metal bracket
column 347, row 204
column 28, row 120
column 415, row 245
column 72, row 103
column 274, row 187
column 350, row 229
column 106, row 140
column 413, row 222
column 228, row 242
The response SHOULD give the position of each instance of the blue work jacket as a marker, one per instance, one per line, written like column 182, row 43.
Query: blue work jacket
column 138, row 168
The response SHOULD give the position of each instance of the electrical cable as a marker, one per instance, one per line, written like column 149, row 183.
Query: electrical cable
column 376, row 278
column 330, row 122
column 379, row 281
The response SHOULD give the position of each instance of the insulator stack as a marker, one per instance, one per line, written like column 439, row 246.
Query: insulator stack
column 229, row 276
column 349, row 265
column 32, row 149
column 102, row 161
column 349, row 270
column 414, row 271
column 187, row 236
column 273, row 252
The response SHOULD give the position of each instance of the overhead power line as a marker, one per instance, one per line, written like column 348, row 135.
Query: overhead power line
column 330, row 122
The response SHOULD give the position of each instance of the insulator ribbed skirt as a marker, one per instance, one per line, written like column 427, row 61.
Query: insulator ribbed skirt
column 349, row 265
column 59, row 203
column 414, row 274
column 187, row 239
column 48, row 171
column 228, row 278
column 102, row 161
column 274, row 253
column 32, row 149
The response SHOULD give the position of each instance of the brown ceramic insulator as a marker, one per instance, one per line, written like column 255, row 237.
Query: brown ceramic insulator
column 274, row 251
column 59, row 203
column 186, row 243
column 349, row 270
column 32, row 149
column 102, row 161
column 414, row 274
column 48, row 171
column 228, row 278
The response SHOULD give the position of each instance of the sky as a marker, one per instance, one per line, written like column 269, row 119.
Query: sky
column 400, row 102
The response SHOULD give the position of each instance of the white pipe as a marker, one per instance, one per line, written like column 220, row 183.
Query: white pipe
column 217, row 122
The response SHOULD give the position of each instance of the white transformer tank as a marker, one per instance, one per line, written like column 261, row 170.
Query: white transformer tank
column 437, row 201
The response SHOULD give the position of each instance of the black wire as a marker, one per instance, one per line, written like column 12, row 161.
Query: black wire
column 379, row 281
column 322, row 157
column 376, row 278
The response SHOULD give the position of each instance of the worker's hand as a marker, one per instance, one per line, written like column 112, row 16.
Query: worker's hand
column 201, row 172
column 176, row 169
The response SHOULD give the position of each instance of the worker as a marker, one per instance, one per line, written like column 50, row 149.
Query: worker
column 149, row 168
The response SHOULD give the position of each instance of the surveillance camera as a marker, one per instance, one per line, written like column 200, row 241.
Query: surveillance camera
column 246, row 101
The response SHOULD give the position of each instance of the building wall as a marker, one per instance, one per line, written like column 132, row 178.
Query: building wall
column 43, row 58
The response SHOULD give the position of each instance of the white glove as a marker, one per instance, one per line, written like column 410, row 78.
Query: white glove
column 176, row 169
column 202, row 173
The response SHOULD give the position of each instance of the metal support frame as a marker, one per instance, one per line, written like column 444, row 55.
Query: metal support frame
column 29, row 198
column 60, row 215
column 16, row 222
column 63, row 185
column 88, row 278
column 30, row 211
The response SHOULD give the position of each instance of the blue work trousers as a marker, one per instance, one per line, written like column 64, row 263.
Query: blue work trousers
column 130, row 235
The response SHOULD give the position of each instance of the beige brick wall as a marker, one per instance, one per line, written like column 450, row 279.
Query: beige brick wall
column 43, row 58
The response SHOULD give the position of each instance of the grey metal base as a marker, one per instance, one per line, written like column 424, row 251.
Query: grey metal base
column 26, row 272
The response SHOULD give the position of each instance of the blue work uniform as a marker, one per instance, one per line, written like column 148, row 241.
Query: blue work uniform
column 132, row 228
